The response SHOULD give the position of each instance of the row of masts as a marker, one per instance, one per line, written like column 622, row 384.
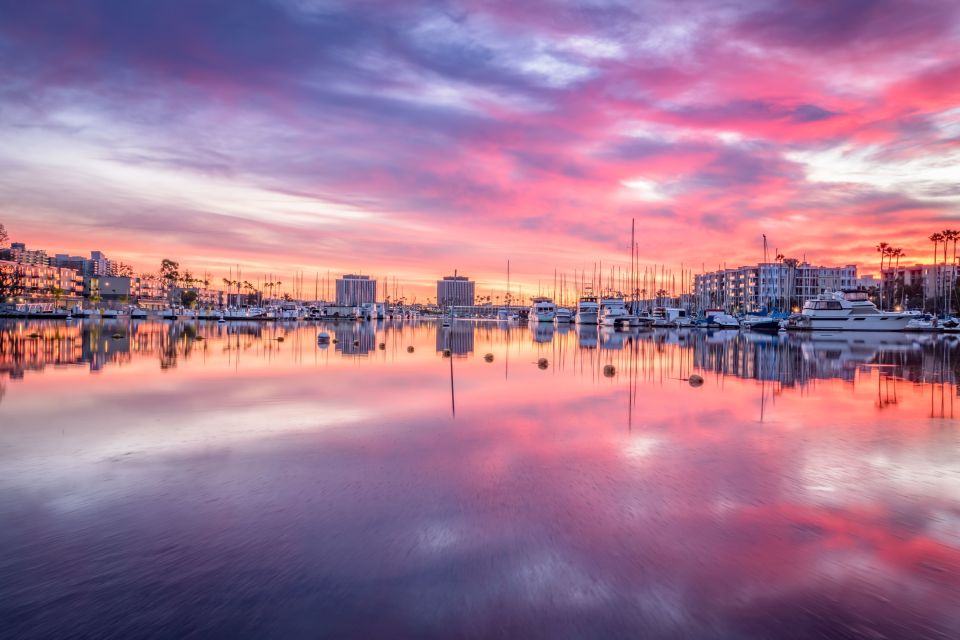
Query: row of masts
column 642, row 287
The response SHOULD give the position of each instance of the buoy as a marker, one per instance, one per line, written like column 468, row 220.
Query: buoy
column 334, row 341
column 279, row 338
column 409, row 349
column 542, row 363
column 34, row 335
column 488, row 357
column 117, row 336
column 356, row 343
column 696, row 380
column 382, row 346
column 609, row 370
column 446, row 353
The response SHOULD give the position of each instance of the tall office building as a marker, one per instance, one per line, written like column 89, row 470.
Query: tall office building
column 455, row 290
column 355, row 290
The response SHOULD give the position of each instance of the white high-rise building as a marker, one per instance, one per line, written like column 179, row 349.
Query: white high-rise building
column 455, row 290
column 353, row 290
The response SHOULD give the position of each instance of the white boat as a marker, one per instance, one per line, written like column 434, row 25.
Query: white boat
column 136, row 313
column 613, row 311
column 588, row 310
column 640, row 321
column 717, row 319
column 503, row 313
column 671, row 317
column 542, row 310
column 849, row 311
column 564, row 315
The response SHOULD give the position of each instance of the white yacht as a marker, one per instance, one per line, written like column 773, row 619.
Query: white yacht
column 503, row 313
column 542, row 310
column 613, row 311
column 588, row 310
column 564, row 315
column 849, row 311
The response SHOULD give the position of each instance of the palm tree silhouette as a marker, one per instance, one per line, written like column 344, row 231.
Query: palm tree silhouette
column 935, row 238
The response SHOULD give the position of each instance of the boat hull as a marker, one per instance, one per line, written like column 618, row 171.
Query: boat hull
column 587, row 317
column 853, row 323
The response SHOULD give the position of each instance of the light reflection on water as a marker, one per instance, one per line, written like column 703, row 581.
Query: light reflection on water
column 216, row 480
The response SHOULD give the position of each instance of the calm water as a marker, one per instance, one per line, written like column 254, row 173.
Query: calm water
column 171, row 480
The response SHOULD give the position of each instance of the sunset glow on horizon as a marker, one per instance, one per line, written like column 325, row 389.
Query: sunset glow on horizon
column 410, row 139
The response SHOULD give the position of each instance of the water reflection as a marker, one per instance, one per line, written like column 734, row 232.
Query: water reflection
column 217, row 480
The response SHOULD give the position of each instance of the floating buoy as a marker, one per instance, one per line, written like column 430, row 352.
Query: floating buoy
column 609, row 371
column 446, row 353
column 34, row 335
column 695, row 380
column 381, row 346
column 409, row 349
column 198, row 338
column 488, row 357
column 279, row 338
column 542, row 363
column 356, row 343
column 117, row 336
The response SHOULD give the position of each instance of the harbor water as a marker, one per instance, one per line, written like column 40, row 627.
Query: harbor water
column 196, row 479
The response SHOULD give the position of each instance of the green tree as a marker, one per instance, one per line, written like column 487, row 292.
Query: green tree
column 188, row 298
column 57, row 294
column 170, row 271
column 11, row 281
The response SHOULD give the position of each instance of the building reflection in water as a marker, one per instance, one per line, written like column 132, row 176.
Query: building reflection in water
column 785, row 361
column 355, row 338
column 458, row 337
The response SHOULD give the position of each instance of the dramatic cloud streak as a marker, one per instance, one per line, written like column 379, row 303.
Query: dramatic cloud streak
column 412, row 138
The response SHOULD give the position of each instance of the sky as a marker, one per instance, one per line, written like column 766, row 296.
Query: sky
column 409, row 139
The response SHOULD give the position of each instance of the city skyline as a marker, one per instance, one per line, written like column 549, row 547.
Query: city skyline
column 414, row 139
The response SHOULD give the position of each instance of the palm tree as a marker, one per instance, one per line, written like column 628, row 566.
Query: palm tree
column 948, row 235
column 935, row 239
column 897, row 253
column 883, row 248
column 954, row 235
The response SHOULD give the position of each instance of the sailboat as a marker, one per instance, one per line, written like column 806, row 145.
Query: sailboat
column 503, row 313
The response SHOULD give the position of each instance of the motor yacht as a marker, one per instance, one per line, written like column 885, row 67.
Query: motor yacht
column 849, row 311
column 564, row 315
column 588, row 310
column 542, row 310
column 613, row 312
